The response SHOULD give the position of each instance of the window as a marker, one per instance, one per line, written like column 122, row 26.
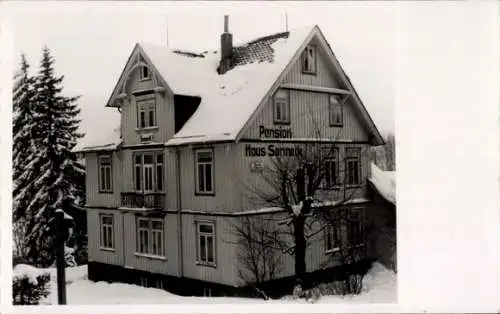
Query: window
column 355, row 227
column 146, row 113
column 332, row 173
column 106, row 240
column 144, row 73
column 309, row 60
column 281, row 107
column 204, row 172
column 206, row 243
column 150, row 236
column 148, row 172
column 105, row 174
column 335, row 112
column 353, row 166
column 332, row 238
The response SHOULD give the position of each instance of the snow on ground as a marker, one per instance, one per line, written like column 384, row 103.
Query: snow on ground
column 385, row 182
column 379, row 286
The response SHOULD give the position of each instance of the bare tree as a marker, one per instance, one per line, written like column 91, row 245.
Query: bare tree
column 347, row 238
column 298, row 184
column 390, row 152
column 258, row 256
column 385, row 156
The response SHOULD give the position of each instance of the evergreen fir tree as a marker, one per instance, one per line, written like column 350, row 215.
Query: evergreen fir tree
column 23, row 99
column 50, row 172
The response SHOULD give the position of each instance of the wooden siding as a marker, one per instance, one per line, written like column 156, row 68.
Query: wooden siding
column 235, row 183
column 225, row 270
column 94, row 198
column 309, row 113
column 245, row 183
column 316, row 256
column 324, row 75
column 125, row 243
column 164, row 112
column 226, row 196
column 93, row 224
column 170, row 265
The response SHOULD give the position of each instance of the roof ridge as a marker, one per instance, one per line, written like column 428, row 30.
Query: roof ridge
column 201, row 52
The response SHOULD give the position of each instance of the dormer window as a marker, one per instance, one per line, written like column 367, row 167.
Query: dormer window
column 145, row 75
column 309, row 60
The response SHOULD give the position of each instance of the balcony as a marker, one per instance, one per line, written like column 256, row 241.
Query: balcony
column 143, row 200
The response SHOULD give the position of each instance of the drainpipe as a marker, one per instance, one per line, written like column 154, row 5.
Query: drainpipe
column 179, row 214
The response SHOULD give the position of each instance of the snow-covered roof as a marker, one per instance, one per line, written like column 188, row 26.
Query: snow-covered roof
column 228, row 100
column 101, row 125
column 384, row 182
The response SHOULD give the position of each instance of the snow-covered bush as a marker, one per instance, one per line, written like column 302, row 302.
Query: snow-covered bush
column 29, row 285
column 69, row 256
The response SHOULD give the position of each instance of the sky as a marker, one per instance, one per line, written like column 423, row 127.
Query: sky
column 91, row 41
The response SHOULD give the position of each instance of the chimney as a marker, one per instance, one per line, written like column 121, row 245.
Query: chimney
column 226, row 48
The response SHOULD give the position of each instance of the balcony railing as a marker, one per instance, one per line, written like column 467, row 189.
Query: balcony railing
column 140, row 200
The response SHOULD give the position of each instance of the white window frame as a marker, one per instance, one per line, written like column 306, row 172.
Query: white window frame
column 198, row 177
column 105, row 170
column 153, row 235
column 146, row 106
column 140, row 231
column 353, row 159
column 281, row 107
column 310, row 56
column 153, row 169
column 205, row 235
column 332, row 158
column 157, row 238
column 106, row 235
column 142, row 75
column 336, row 109
column 148, row 173
column 159, row 172
column 332, row 236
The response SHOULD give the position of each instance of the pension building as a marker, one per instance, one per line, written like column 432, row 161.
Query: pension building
column 196, row 129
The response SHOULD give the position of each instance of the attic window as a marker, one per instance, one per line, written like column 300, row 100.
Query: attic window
column 145, row 73
column 309, row 60
column 281, row 107
column 336, row 111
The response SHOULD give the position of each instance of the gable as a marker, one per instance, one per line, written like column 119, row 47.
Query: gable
column 130, row 81
column 325, row 73
column 330, row 78
column 308, row 97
